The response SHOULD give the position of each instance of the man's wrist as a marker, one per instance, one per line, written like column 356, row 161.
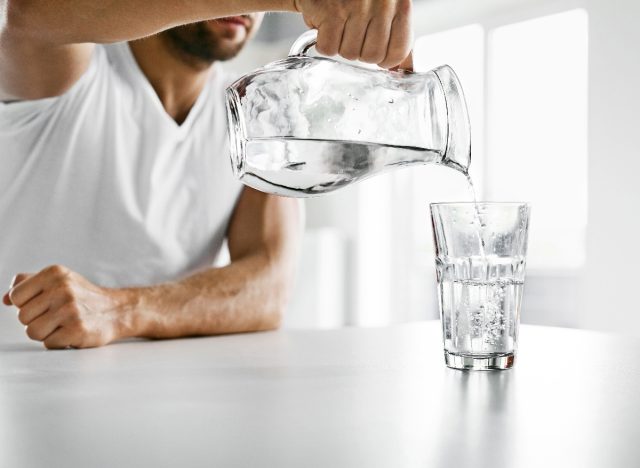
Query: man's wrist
column 130, row 317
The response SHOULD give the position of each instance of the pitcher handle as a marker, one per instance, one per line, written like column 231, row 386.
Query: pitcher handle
column 305, row 42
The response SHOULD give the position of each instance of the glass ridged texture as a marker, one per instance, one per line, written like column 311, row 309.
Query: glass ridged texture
column 480, row 263
column 305, row 126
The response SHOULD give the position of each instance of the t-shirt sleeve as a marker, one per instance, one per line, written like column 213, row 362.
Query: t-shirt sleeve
column 19, row 113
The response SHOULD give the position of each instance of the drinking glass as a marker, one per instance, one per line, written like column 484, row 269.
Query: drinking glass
column 480, row 263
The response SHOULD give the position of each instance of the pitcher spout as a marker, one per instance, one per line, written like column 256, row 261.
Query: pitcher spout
column 457, row 154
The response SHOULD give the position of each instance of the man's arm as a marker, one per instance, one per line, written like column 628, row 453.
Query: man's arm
column 45, row 46
column 61, row 308
column 249, row 294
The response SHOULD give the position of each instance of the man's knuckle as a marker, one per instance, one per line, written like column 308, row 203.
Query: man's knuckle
column 56, row 270
column 34, row 333
column 349, row 52
column 72, row 313
column 81, row 328
column 340, row 14
column 14, row 295
column 403, row 7
column 65, row 281
column 64, row 292
column 23, row 316
column 75, row 323
column 341, row 9
column 372, row 56
column 50, row 344
column 71, row 319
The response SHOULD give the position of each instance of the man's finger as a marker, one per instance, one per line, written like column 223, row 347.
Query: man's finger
column 43, row 326
column 377, row 33
column 36, row 307
column 406, row 64
column 19, row 278
column 353, row 38
column 60, row 339
column 25, row 287
column 32, row 285
column 6, row 299
column 399, row 42
column 329, row 38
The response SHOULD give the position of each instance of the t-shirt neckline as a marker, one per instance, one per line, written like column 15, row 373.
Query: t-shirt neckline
column 138, row 76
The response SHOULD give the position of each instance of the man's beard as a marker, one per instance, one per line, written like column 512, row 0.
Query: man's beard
column 196, row 42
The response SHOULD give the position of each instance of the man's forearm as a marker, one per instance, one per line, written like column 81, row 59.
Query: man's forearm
column 78, row 21
column 61, row 308
column 247, row 295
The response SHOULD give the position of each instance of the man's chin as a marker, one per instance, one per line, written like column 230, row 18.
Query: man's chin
column 224, row 52
column 207, row 42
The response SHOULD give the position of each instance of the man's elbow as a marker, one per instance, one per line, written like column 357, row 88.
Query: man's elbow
column 271, row 320
column 273, row 314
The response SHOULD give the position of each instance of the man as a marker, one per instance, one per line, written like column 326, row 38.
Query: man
column 114, row 170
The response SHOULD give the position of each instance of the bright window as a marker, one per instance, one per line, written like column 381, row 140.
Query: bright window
column 526, row 87
column 537, row 131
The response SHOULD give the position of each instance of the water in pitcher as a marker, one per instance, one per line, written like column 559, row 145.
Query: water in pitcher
column 295, row 166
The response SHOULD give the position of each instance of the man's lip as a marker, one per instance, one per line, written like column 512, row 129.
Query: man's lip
column 241, row 20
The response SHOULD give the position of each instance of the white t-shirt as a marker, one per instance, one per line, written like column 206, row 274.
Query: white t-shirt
column 103, row 181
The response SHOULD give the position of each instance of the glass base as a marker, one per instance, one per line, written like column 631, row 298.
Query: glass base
column 487, row 362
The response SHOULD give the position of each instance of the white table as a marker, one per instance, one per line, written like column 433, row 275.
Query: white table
column 339, row 398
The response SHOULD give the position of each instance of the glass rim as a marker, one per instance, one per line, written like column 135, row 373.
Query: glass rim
column 492, row 203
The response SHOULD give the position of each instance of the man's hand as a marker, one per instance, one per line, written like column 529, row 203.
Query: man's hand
column 63, row 309
column 374, row 31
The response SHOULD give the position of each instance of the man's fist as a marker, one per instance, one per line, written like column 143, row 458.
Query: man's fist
column 374, row 31
column 63, row 309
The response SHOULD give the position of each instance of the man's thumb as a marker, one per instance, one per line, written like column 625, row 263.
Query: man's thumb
column 20, row 277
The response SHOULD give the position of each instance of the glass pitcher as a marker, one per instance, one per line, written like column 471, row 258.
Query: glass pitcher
column 305, row 126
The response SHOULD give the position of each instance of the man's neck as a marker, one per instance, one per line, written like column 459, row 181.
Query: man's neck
column 177, row 80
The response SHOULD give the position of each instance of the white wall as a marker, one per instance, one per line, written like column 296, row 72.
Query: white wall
column 613, row 242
